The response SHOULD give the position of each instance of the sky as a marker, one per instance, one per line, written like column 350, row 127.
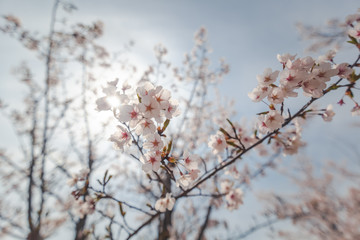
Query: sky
column 247, row 34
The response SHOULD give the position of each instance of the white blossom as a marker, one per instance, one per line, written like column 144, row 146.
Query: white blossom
column 165, row 203
column 217, row 143
column 328, row 114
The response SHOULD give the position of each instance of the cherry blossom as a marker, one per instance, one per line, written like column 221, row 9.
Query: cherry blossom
column 163, row 97
column 234, row 198
column 292, row 145
column 285, row 57
column 276, row 96
column 194, row 174
column 102, row 104
column 356, row 110
column 112, row 99
column 270, row 122
column 80, row 176
column 288, row 91
column 352, row 18
column 217, row 143
column 153, row 142
column 82, row 208
column 259, row 93
column 191, row 161
column 324, row 71
column 226, row 186
column 145, row 127
column 268, row 77
column 292, row 78
column 129, row 113
column 172, row 110
column 166, row 203
column 121, row 138
column 147, row 89
column 150, row 108
column 355, row 32
column 184, row 181
column 344, row 70
column 151, row 162
column 328, row 114
column 313, row 87
column 329, row 56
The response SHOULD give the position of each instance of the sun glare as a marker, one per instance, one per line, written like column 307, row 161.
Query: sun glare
column 114, row 101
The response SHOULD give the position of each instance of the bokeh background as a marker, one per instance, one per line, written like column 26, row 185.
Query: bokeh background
column 247, row 34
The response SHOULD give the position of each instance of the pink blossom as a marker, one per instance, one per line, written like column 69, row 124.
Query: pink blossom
column 268, row 77
column 121, row 139
column 102, row 104
column 276, row 95
column 324, row 71
column 344, row 70
column 292, row 78
column 172, row 109
column 82, row 208
column 151, row 162
column 147, row 89
column 226, row 186
column 352, row 18
column 217, row 143
column 234, row 198
column 145, row 127
column 288, row 91
column 356, row 110
column 285, row 57
column 165, row 203
column 194, row 174
column 184, row 181
column 191, row 161
column 163, row 97
column 149, row 107
column 259, row 93
column 313, row 87
column 292, row 145
column 307, row 63
column 327, row 57
column 270, row 122
column 355, row 31
column 129, row 113
column 153, row 142
column 111, row 88
column 328, row 114
column 233, row 171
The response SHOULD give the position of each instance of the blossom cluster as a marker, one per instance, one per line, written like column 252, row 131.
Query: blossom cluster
column 306, row 73
column 83, row 207
column 165, row 203
column 141, row 115
column 146, row 114
column 234, row 196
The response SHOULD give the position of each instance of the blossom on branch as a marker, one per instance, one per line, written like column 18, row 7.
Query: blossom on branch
column 270, row 121
column 217, row 143
column 166, row 203
column 328, row 114
column 121, row 139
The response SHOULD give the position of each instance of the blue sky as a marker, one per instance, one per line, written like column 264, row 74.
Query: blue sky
column 248, row 34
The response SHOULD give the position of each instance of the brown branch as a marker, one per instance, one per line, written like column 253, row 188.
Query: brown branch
column 31, row 167
column 204, row 226
column 46, row 109
column 301, row 111
column 143, row 225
